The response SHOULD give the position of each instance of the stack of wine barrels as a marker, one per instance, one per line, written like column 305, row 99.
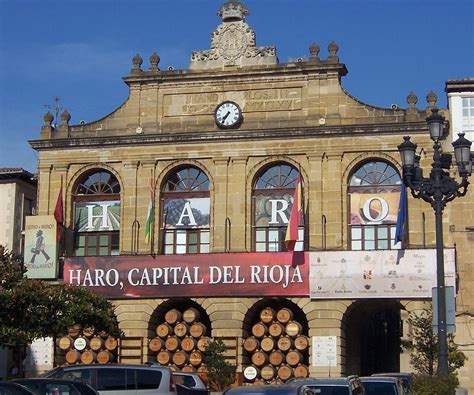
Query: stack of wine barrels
column 87, row 346
column 277, row 348
column 181, row 341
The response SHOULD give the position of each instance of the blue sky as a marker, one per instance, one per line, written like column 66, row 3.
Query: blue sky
column 79, row 50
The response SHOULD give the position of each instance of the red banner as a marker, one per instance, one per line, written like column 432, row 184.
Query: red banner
column 232, row 274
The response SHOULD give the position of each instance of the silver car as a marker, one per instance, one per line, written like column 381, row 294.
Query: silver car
column 376, row 385
column 120, row 379
column 189, row 380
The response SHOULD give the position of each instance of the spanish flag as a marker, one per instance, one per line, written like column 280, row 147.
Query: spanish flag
column 295, row 217
column 150, row 217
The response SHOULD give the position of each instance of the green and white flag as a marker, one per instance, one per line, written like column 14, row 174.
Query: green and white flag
column 150, row 217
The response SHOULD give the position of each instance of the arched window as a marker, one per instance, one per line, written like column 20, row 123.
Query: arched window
column 185, row 224
column 272, row 199
column 97, row 214
column 373, row 196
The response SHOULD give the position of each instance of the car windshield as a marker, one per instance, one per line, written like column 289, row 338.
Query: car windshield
column 329, row 389
column 374, row 388
column 50, row 388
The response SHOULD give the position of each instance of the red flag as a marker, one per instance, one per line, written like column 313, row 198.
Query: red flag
column 58, row 213
column 295, row 217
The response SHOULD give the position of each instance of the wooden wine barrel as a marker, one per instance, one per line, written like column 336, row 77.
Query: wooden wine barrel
column 202, row 372
column 259, row 330
column 96, row 343
column 173, row 316
column 301, row 371
column 276, row 358
column 73, row 356
column 74, row 330
column 276, row 329
column 181, row 329
column 156, row 344
column 65, row 343
column 251, row 373
column 267, row 344
column 285, row 343
column 259, row 358
column 277, row 381
column 294, row 358
column 284, row 315
column 251, row 344
column 105, row 356
column 188, row 344
column 111, row 343
column 191, row 315
column 88, row 331
column 164, row 357
column 188, row 369
column 285, row 372
column 301, row 342
column 267, row 315
column 197, row 330
column 172, row 343
column 180, row 358
column 202, row 343
column 293, row 328
column 81, row 343
column 268, row 372
column 164, row 330
column 88, row 357
column 195, row 358
column 173, row 367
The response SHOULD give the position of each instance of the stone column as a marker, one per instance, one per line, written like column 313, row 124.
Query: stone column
column 314, row 202
column 128, row 203
column 220, row 204
column 332, row 202
column 239, row 205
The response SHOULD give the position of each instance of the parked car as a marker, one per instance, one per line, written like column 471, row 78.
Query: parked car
column 186, row 380
column 9, row 388
column 44, row 386
column 407, row 378
column 381, row 385
column 121, row 379
column 189, row 380
column 350, row 385
column 285, row 389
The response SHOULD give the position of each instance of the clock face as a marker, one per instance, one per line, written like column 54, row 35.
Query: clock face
column 228, row 115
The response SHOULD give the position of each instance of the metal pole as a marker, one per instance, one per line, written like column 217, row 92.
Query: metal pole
column 441, row 290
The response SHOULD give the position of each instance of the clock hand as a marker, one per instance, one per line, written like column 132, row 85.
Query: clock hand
column 225, row 116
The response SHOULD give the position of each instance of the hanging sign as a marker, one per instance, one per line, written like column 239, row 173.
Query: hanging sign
column 193, row 275
column 40, row 256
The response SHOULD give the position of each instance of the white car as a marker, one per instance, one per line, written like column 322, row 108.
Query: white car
column 190, row 380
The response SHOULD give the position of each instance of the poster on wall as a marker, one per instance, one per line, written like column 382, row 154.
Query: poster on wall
column 376, row 208
column 188, row 213
column 273, row 210
column 100, row 216
column 193, row 275
column 324, row 351
column 40, row 256
column 377, row 274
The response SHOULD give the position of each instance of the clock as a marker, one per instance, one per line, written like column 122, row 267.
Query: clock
column 228, row 115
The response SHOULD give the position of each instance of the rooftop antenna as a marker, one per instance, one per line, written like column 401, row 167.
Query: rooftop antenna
column 56, row 107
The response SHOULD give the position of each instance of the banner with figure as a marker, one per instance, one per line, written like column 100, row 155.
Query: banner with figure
column 40, row 256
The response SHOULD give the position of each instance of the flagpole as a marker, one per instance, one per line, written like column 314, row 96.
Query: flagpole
column 152, row 230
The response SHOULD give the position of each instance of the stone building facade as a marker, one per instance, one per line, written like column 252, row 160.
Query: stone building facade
column 222, row 181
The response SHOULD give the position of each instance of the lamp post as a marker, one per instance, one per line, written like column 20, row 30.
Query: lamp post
column 438, row 189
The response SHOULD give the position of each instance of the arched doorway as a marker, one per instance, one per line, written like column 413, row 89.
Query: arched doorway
column 372, row 337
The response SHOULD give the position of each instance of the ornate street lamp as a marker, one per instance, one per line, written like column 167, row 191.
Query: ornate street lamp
column 438, row 189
